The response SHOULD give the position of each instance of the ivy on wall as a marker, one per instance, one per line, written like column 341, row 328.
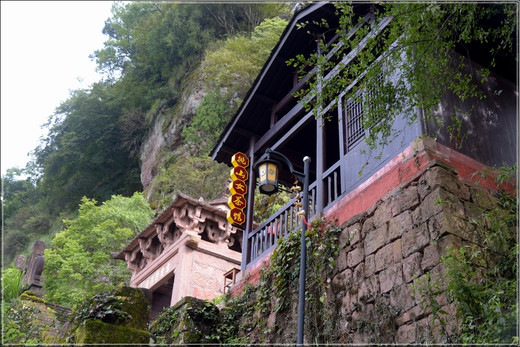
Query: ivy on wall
column 481, row 280
column 278, row 288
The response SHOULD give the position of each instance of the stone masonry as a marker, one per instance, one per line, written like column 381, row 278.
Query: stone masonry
column 398, row 244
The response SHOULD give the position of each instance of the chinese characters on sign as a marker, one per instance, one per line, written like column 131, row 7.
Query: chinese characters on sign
column 238, row 189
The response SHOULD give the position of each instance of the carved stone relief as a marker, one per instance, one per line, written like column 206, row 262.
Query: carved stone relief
column 188, row 217
column 135, row 260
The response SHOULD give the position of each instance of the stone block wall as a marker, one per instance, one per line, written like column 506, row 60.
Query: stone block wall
column 396, row 246
column 397, row 226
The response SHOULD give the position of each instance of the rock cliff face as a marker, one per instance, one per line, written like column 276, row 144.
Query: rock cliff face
column 165, row 134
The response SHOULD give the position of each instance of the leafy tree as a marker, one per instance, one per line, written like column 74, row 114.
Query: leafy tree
column 16, row 192
column 198, row 177
column 412, row 63
column 239, row 18
column 80, row 262
column 153, row 46
column 82, row 154
column 160, row 36
column 25, row 216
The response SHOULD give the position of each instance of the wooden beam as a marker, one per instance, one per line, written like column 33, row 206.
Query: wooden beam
column 303, row 82
column 290, row 134
column 265, row 99
column 279, row 126
column 289, row 96
column 246, row 133
column 228, row 150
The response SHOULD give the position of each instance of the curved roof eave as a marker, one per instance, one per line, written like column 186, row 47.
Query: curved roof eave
column 179, row 199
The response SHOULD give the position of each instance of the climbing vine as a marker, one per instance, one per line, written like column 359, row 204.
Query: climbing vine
column 406, row 65
column 278, row 285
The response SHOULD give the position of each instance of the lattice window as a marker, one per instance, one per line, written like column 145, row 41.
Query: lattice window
column 354, row 109
column 354, row 130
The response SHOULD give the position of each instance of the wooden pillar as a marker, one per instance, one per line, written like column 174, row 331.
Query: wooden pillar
column 320, row 144
column 320, row 160
column 341, row 136
column 250, row 204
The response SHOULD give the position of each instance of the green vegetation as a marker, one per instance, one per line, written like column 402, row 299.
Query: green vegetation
column 116, row 316
column 278, row 288
column 210, row 119
column 228, row 70
column 235, row 63
column 191, row 320
column 199, row 177
column 411, row 64
column 28, row 321
column 97, row 332
column 79, row 264
column 481, row 279
column 201, row 321
column 81, row 155
column 95, row 137
column 11, row 284
column 25, row 216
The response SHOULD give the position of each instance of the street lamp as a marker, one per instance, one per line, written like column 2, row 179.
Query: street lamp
column 268, row 170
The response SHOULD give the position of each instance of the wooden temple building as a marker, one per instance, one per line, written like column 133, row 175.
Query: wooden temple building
column 342, row 166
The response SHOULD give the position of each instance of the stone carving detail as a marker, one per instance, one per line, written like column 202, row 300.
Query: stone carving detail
column 34, row 271
column 37, row 270
column 151, row 247
column 189, row 217
column 167, row 233
column 135, row 260
column 221, row 233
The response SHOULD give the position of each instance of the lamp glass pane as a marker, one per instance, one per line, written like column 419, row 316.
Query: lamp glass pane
column 272, row 172
column 268, row 177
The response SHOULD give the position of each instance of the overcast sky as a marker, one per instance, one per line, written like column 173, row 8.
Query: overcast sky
column 44, row 54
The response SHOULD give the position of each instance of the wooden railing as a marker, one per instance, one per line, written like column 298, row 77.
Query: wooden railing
column 264, row 238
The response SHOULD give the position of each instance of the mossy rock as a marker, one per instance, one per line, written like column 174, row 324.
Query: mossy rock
column 31, row 296
column 37, row 322
column 123, row 306
column 136, row 304
column 94, row 331
column 191, row 320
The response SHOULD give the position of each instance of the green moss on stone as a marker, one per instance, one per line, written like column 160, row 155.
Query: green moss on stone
column 95, row 331
column 31, row 296
column 136, row 304
column 191, row 337
column 191, row 320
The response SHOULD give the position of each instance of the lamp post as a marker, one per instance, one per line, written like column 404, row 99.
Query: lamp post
column 268, row 184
